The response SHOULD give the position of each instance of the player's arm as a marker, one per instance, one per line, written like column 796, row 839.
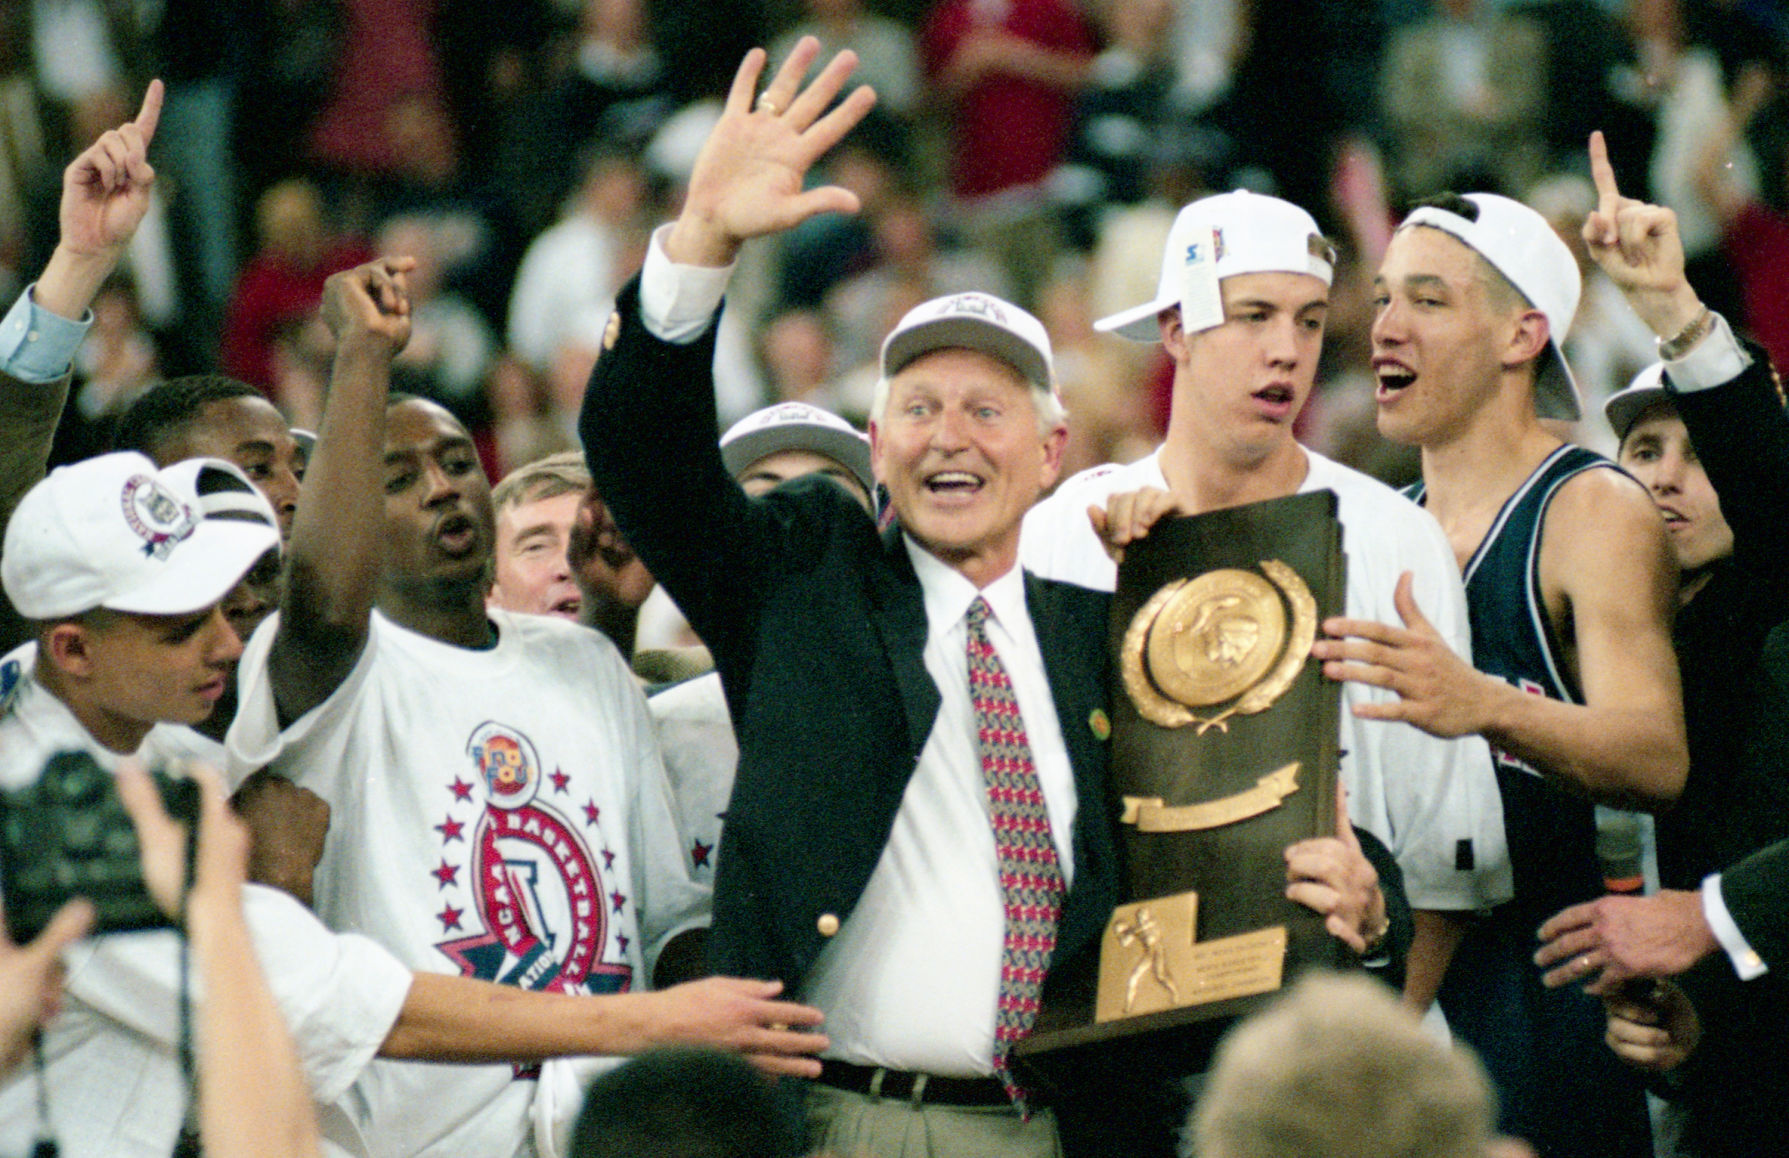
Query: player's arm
column 336, row 553
column 455, row 1019
column 1604, row 549
column 648, row 416
column 105, row 193
column 1435, row 937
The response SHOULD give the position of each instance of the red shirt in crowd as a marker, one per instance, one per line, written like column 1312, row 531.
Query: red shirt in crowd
column 1009, row 131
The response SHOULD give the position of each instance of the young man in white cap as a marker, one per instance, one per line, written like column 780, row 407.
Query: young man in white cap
column 1240, row 308
column 929, row 849
column 122, row 572
column 1570, row 586
column 762, row 451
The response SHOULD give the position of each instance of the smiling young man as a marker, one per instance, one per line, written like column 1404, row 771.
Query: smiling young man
column 1570, row 587
column 1240, row 308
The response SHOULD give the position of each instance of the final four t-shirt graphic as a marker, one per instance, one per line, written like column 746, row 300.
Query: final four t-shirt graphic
column 520, row 876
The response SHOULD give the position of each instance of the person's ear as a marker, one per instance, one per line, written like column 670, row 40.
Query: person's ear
column 1527, row 339
column 69, row 647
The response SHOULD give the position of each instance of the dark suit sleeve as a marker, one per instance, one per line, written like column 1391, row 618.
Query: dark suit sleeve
column 1741, row 435
column 1394, row 951
column 1757, row 894
column 649, row 429
column 29, row 412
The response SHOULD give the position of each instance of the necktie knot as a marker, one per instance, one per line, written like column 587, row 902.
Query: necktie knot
column 978, row 614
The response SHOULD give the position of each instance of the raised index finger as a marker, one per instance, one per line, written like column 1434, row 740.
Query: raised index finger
column 1608, row 197
column 151, row 113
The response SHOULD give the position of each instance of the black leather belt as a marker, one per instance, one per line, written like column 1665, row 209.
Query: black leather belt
column 920, row 1089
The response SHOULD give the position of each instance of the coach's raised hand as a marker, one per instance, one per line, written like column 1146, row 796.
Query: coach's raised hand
column 748, row 178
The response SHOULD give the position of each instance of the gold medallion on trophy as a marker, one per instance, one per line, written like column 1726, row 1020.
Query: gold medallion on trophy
column 1227, row 637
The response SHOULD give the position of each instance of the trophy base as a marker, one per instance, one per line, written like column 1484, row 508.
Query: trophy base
column 1143, row 1050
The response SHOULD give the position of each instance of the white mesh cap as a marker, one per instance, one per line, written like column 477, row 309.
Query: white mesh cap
column 1218, row 237
column 797, row 426
column 972, row 321
column 115, row 532
column 1624, row 407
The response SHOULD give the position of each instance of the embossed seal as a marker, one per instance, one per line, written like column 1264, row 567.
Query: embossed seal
column 1222, row 637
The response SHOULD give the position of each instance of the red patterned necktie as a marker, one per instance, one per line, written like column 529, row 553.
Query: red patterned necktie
column 1030, row 876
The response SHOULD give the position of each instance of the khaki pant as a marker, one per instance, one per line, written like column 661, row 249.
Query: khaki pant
column 852, row 1125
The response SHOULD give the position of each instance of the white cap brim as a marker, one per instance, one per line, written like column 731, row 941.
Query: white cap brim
column 1624, row 407
column 1139, row 323
column 969, row 333
column 213, row 560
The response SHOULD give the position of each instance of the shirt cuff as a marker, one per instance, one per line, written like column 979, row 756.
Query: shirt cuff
column 1746, row 961
column 1714, row 361
column 678, row 302
column 37, row 345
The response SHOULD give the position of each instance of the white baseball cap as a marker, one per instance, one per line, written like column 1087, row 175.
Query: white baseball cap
column 797, row 426
column 1521, row 246
column 1624, row 407
column 972, row 321
column 115, row 532
column 1217, row 237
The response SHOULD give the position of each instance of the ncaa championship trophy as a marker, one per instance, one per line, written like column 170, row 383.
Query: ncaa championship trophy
column 1224, row 752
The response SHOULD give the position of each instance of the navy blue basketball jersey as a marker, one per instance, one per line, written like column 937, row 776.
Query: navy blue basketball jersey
column 1552, row 835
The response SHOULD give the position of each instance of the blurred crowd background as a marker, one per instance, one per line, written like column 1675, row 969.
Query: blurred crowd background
column 522, row 150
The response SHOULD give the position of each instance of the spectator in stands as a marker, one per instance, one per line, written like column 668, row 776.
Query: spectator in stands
column 283, row 282
column 1007, row 76
column 888, row 57
column 451, row 347
column 1755, row 232
column 1463, row 93
column 567, row 282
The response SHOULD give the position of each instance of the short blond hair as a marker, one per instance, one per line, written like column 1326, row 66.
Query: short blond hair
column 544, row 478
column 1339, row 1068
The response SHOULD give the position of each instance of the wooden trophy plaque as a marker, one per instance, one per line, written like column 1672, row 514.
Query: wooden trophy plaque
column 1224, row 752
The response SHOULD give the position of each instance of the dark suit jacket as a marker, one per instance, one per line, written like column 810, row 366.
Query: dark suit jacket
column 29, row 412
column 1737, row 674
column 817, row 625
column 1735, row 806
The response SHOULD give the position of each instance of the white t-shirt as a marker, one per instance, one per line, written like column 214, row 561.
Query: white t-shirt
column 499, row 814
column 695, row 733
column 1421, row 795
column 115, row 1085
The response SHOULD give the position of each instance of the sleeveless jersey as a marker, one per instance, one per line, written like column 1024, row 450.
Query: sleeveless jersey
column 1552, row 835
